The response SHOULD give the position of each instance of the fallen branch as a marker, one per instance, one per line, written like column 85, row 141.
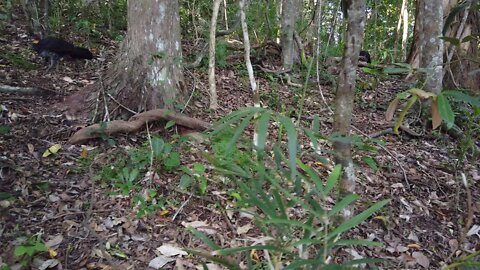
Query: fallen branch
column 134, row 124
column 22, row 90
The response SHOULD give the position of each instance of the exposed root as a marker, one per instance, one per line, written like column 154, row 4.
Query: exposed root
column 134, row 124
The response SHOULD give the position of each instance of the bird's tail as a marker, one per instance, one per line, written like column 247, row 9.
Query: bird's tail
column 80, row 53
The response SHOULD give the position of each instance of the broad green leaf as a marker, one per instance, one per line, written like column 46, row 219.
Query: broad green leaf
column 292, row 145
column 291, row 223
column 333, row 178
column 313, row 176
column 396, row 71
column 157, row 146
column 460, row 96
column 262, row 130
column 169, row 124
column 202, row 184
column 238, row 132
column 267, row 207
column 452, row 40
column 19, row 251
column 185, row 182
column 172, row 161
column 354, row 221
column 339, row 206
column 446, row 110
column 299, row 264
column 233, row 117
column 198, row 168
column 371, row 162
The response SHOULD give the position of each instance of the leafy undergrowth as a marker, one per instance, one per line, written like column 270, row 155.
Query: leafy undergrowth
column 141, row 199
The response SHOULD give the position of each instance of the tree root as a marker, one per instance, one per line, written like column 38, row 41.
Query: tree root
column 134, row 124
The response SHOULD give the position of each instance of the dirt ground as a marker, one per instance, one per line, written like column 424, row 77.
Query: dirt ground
column 89, row 229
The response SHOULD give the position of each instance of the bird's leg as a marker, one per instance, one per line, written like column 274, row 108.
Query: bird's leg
column 51, row 64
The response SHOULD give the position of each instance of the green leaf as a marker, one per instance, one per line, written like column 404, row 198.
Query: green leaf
column 371, row 162
column 313, row 176
column 347, row 200
column 333, row 178
column 185, row 181
column 169, row 124
column 446, row 110
column 4, row 130
column 238, row 132
column 452, row 40
column 290, row 223
column 202, row 184
column 354, row 221
column 292, row 145
column 198, row 168
column 460, row 96
column 262, row 129
column 19, row 251
column 157, row 146
column 232, row 118
column 172, row 161
column 396, row 71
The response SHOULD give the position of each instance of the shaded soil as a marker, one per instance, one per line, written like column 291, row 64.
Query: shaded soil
column 57, row 198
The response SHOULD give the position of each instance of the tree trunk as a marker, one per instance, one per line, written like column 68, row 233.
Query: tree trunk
column 147, row 73
column 290, row 10
column 345, row 96
column 432, row 56
column 416, row 50
column 462, row 71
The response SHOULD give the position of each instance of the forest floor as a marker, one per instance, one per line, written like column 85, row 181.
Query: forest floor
column 86, row 227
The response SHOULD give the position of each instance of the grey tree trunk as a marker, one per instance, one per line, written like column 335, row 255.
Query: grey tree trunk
column 147, row 72
column 290, row 11
column 345, row 96
column 432, row 45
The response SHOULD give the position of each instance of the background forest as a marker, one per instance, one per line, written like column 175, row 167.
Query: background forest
column 239, row 134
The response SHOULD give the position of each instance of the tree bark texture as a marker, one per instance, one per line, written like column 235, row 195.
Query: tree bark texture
column 432, row 56
column 290, row 11
column 461, row 71
column 345, row 95
column 147, row 72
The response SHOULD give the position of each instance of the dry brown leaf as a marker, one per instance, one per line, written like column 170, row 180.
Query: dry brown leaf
column 421, row 259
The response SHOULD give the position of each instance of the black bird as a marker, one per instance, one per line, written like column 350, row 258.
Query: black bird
column 364, row 57
column 52, row 49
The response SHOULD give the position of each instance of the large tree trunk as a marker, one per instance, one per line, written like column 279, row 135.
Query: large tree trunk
column 290, row 11
column 461, row 69
column 147, row 73
column 345, row 96
column 432, row 55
